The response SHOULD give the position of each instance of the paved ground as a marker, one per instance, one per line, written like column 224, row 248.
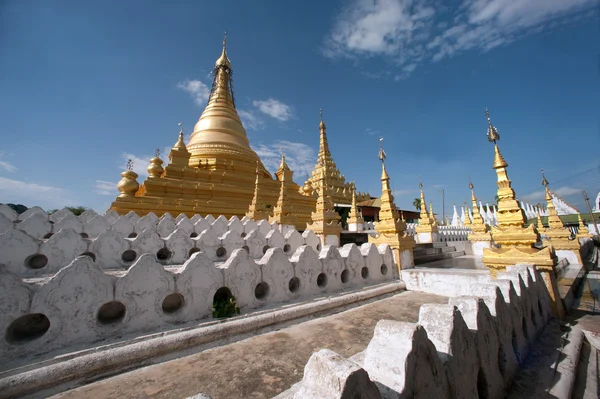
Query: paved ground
column 261, row 366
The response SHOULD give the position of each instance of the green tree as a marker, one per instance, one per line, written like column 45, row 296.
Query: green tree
column 77, row 210
column 417, row 203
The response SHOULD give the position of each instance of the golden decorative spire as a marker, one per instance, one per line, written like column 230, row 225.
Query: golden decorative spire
column 583, row 229
column 381, row 155
column 283, row 165
column 493, row 136
column 257, row 210
column 223, row 61
column 323, row 144
column 354, row 217
column 424, row 218
column 155, row 168
column 128, row 185
column 283, row 213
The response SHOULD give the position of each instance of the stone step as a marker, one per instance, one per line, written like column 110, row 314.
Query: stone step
column 431, row 251
column 440, row 256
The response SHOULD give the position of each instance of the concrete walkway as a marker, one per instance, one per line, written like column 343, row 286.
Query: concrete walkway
column 261, row 366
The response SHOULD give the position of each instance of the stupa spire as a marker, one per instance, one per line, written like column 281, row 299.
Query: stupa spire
column 324, row 152
column 219, row 129
column 478, row 225
column 325, row 221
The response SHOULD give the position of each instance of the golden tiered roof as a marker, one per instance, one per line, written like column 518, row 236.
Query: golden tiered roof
column 340, row 191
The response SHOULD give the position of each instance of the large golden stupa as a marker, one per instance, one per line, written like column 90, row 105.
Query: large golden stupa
column 217, row 171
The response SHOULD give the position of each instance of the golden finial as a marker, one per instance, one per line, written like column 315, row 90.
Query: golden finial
column 381, row 155
column 544, row 180
column 492, row 132
column 321, row 113
column 471, row 186
column 225, row 41
column 420, row 183
column 157, row 153
column 223, row 60
column 180, row 127
column 130, row 165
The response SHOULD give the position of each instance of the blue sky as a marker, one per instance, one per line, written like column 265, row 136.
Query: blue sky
column 86, row 85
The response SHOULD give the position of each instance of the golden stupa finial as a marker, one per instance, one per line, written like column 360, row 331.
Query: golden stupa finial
column 381, row 155
column 157, row 153
column 471, row 186
column 321, row 123
column 492, row 132
column 223, row 60
column 420, row 183
column 129, row 164
column 544, row 180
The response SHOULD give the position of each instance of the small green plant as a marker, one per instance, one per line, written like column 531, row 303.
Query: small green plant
column 225, row 307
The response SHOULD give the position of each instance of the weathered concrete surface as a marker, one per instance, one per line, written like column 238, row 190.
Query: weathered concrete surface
column 261, row 366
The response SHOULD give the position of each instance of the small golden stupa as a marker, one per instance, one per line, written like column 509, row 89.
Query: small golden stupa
column 426, row 230
column 480, row 231
column 355, row 220
column 216, row 172
column 339, row 190
column 559, row 236
column 283, row 213
column 258, row 210
column 515, row 241
column 325, row 221
column 391, row 228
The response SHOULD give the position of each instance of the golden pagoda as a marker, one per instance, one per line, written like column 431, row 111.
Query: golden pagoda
column 515, row 241
column 391, row 228
column 325, row 221
column 215, row 172
column 340, row 191
column 559, row 236
column 355, row 221
column 426, row 229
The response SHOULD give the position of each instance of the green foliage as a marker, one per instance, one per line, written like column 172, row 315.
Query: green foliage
column 225, row 307
column 77, row 210
column 18, row 208
column 417, row 203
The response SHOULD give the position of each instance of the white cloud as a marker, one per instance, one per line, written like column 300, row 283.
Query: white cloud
column 250, row 120
column 408, row 32
column 196, row 89
column 30, row 194
column 7, row 166
column 300, row 157
column 275, row 109
column 105, row 188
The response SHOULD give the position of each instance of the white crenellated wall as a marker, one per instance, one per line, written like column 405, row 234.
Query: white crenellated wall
column 83, row 304
column 468, row 348
column 35, row 244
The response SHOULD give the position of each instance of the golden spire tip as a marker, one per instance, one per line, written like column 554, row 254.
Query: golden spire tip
column 129, row 164
column 544, row 180
column 471, row 186
column 225, row 40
